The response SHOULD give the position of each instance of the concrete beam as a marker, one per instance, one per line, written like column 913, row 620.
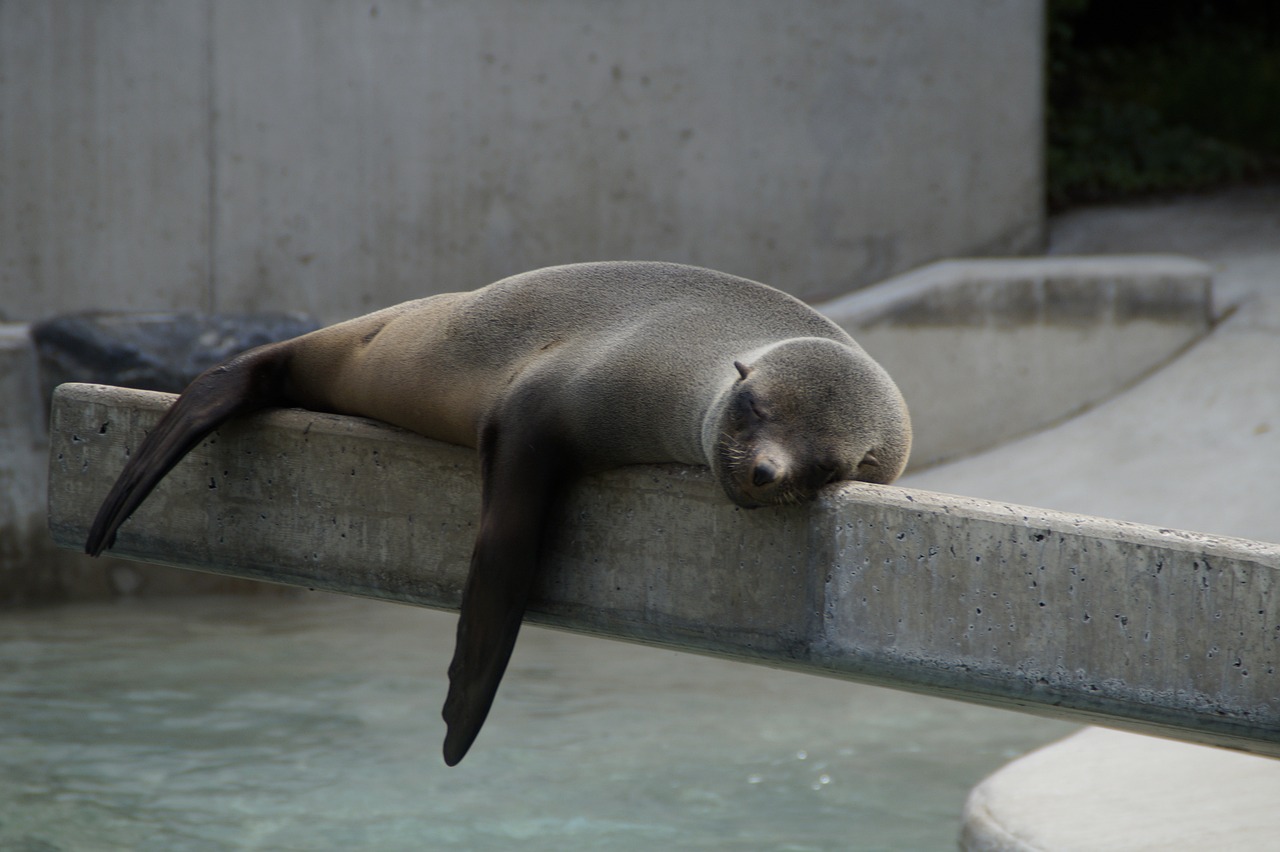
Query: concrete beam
column 1148, row 629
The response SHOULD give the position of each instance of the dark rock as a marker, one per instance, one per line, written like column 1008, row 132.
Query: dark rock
column 161, row 352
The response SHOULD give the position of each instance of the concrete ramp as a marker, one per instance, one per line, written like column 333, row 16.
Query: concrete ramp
column 986, row 351
column 1136, row 627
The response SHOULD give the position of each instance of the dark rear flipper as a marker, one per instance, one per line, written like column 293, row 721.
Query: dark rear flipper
column 242, row 385
column 523, row 476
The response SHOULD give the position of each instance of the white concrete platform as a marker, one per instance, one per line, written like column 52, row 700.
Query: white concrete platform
column 1105, row 791
column 1196, row 445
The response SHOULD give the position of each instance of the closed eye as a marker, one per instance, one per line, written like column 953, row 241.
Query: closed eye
column 751, row 411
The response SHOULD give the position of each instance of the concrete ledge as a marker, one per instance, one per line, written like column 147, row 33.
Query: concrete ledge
column 988, row 350
column 1104, row 790
column 1081, row 618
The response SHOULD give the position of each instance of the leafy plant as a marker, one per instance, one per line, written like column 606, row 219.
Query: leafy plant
column 1146, row 98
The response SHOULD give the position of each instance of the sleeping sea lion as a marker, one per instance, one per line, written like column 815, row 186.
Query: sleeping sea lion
column 555, row 373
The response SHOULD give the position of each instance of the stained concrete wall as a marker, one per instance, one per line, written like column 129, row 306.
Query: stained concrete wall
column 1151, row 629
column 237, row 156
column 23, row 450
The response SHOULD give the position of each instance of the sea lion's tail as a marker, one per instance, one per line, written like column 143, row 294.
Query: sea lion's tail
column 246, row 383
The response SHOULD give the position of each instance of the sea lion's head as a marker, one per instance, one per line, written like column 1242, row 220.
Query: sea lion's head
column 804, row 413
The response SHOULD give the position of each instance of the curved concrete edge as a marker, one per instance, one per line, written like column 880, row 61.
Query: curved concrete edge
column 1027, row 342
column 1104, row 790
column 31, row 567
column 1080, row 618
column 1057, row 290
column 22, row 443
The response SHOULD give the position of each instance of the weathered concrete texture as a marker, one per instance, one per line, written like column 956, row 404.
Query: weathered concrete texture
column 230, row 154
column 1195, row 445
column 1156, row 630
column 989, row 350
column 104, row 157
column 1110, row 792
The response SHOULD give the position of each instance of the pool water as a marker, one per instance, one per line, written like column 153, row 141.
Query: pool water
column 303, row 723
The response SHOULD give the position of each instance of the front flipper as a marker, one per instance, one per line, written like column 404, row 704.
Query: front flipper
column 244, row 384
column 524, row 474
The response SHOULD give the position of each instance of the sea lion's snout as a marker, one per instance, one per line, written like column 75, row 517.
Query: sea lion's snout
column 763, row 473
column 765, row 478
column 772, row 477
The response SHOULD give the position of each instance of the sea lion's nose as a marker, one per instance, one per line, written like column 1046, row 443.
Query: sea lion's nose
column 763, row 474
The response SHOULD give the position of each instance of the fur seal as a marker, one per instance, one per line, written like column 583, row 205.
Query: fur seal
column 558, row 372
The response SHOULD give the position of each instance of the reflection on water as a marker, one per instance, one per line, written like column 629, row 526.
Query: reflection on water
column 285, row 724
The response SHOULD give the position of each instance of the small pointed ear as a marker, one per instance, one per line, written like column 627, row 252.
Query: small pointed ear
column 743, row 369
column 870, row 461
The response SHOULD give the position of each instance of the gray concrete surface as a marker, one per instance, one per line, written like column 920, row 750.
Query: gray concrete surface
column 989, row 350
column 1106, row 791
column 331, row 158
column 1196, row 445
column 951, row 596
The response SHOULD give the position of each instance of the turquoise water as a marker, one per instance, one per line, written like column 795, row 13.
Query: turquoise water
column 313, row 723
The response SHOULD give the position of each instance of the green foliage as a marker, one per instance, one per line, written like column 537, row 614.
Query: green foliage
column 1147, row 98
column 1107, row 150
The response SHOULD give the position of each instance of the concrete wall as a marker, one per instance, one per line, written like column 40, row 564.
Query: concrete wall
column 235, row 155
column 23, row 465
column 1150, row 629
